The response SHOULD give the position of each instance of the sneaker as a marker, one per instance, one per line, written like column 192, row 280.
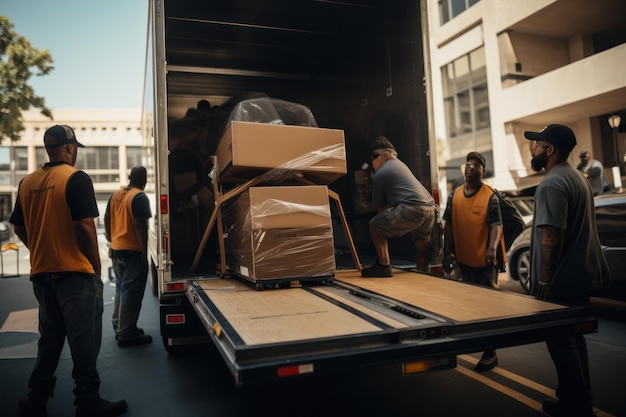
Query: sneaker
column 141, row 339
column 100, row 407
column 487, row 362
column 32, row 405
column 377, row 270
column 556, row 409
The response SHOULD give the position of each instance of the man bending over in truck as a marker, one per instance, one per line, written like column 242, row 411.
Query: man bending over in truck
column 404, row 206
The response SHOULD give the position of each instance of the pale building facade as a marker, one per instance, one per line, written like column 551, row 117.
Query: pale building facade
column 113, row 145
column 500, row 67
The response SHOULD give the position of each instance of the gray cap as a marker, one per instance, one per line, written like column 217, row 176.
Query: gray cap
column 381, row 142
column 59, row 135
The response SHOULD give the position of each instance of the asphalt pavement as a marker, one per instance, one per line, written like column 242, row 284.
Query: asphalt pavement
column 198, row 382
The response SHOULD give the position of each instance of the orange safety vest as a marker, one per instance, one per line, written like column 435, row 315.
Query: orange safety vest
column 469, row 226
column 123, row 235
column 49, row 226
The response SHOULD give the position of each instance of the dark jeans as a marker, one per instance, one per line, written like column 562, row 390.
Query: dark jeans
column 569, row 354
column 131, row 274
column 486, row 276
column 69, row 306
column 571, row 360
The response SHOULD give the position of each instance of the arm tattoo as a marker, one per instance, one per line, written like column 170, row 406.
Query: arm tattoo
column 551, row 251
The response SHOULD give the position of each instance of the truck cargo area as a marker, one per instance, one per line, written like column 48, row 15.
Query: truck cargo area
column 267, row 336
column 359, row 66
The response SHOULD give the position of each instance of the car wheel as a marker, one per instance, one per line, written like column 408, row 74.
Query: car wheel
column 522, row 268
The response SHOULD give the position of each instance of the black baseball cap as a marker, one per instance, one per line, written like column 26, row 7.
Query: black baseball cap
column 477, row 156
column 59, row 135
column 558, row 135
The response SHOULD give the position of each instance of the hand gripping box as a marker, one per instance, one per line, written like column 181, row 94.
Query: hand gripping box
column 276, row 151
column 279, row 234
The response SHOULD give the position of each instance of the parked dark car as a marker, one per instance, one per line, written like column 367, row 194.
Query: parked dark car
column 611, row 221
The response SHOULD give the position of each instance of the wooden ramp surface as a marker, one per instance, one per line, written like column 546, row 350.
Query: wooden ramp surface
column 454, row 300
column 281, row 315
column 296, row 314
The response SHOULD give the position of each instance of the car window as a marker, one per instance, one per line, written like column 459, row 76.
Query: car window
column 611, row 221
column 525, row 206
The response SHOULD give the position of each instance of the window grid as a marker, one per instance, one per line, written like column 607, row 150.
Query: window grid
column 466, row 99
column 449, row 9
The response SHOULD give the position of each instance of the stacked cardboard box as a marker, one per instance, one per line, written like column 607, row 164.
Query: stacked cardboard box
column 276, row 152
column 279, row 233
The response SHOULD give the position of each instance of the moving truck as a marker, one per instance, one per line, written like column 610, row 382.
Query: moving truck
column 360, row 68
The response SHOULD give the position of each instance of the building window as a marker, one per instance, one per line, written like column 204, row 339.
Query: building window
column 134, row 156
column 98, row 158
column 41, row 156
column 451, row 8
column 101, row 163
column 466, row 100
column 20, row 154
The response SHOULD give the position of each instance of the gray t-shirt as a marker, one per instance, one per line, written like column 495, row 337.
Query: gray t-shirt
column 564, row 200
column 595, row 175
column 394, row 183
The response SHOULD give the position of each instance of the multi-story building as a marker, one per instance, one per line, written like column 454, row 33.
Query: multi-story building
column 500, row 67
column 113, row 145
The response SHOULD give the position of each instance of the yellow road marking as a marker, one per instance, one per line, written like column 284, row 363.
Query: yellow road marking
column 529, row 402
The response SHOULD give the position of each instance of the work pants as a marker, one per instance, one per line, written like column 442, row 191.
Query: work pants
column 70, row 305
column 131, row 275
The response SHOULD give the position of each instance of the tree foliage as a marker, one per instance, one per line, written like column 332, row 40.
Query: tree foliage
column 19, row 60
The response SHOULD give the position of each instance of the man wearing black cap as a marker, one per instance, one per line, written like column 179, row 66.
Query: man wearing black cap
column 565, row 259
column 593, row 170
column 404, row 206
column 472, row 233
column 54, row 217
column 126, row 228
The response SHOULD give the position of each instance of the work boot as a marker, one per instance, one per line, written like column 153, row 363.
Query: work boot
column 377, row 270
column 488, row 361
column 556, row 409
column 33, row 405
column 99, row 407
column 138, row 332
column 141, row 339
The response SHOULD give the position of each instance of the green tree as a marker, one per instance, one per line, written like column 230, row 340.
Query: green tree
column 19, row 60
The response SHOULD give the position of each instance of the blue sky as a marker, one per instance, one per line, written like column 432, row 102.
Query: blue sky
column 98, row 49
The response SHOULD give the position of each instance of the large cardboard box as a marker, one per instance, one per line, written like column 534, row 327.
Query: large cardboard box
column 247, row 150
column 279, row 234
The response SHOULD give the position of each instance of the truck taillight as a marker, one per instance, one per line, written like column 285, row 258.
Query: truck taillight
column 175, row 286
column 175, row 319
column 164, row 205
column 293, row 370
column 436, row 196
column 415, row 367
